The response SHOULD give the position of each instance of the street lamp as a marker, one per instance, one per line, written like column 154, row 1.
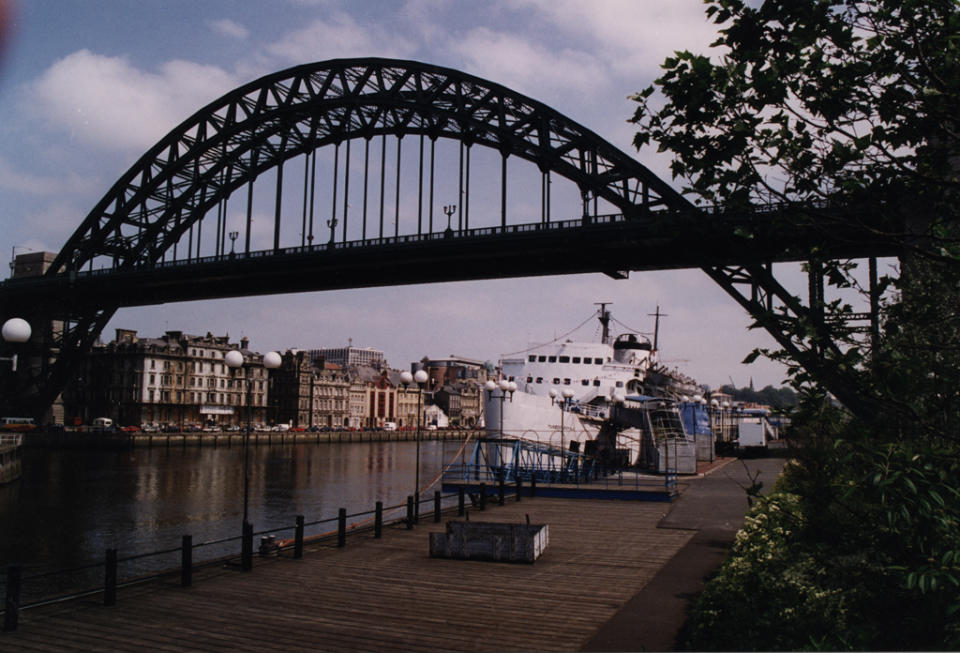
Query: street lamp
column 15, row 330
column 420, row 378
column 235, row 360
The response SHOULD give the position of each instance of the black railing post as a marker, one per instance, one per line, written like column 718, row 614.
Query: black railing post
column 519, row 486
column 483, row 496
column 11, row 610
column 246, row 547
column 461, row 494
column 186, row 561
column 409, row 512
column 110, row 578
column 436, row 506
column 378, row 521
column 500, row 487
column 298, row 539
column 533, row 486
column 342, row 527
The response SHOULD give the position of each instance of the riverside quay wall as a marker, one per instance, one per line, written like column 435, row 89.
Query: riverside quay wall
column 110, row 439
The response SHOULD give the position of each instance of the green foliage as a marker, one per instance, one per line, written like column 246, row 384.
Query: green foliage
column 812, row 101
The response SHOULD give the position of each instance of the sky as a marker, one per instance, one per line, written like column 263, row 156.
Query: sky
column 86, row 87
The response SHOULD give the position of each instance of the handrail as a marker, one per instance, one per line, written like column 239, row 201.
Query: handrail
column 86, row 591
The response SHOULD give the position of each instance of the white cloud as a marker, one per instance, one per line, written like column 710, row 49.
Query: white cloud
column 339, row 36
column 526, row 66
column 13, row 179
column 109, row 103
column 230, row 28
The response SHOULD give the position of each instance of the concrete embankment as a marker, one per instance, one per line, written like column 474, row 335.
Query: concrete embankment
column 94, row 440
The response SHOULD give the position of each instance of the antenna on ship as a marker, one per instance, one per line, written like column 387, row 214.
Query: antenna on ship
column 656, row 325
column 604, row 321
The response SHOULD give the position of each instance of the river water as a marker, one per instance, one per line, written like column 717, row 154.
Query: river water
column 71, row 505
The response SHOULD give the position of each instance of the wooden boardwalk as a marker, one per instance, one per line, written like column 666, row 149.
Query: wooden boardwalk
column 386, row 594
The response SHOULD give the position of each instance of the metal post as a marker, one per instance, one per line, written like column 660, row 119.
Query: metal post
column 246, row 547
column 298, row 539
column 186, row 561
column 436, row 506
column 533, row 486
column 11, row 612
column 483, row 496
column 342, row 527
column 460, row 501
column 409, row 512
column 501, row 482
column 519, row 485
column 378, row 521
column 110, row 578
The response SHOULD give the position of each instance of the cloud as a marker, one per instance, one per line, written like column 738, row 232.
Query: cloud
column 12, row 179
column 339, row 36
column 230, row 28
column 108, row 103
column 535, row 69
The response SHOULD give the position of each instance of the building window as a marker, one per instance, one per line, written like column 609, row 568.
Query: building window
column 596, row 382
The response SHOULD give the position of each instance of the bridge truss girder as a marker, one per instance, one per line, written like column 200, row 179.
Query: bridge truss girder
column 230, row 142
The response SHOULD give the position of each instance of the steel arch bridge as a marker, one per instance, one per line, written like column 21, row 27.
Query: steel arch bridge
column 141, row 243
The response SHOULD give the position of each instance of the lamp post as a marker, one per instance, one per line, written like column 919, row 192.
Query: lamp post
column 233, row 240
column 15, row 330
column 407, row 379
column 235, row 360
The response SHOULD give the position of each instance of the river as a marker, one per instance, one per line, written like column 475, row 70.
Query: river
column 71, row 505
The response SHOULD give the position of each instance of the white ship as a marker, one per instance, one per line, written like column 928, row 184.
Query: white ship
column 561, row 395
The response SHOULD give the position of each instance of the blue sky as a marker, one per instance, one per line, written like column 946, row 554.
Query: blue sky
column 87, row 86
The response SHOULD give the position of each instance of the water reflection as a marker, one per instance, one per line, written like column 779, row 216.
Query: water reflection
column 70, row 506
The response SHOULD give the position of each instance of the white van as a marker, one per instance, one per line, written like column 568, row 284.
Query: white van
column 102, row 423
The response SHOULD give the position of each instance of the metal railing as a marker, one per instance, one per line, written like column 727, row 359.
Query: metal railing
column 109, row 568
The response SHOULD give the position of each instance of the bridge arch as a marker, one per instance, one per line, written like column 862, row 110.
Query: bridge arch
column 257, row 127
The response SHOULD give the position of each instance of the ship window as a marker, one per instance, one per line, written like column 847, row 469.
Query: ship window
column 587, row 360
column 556, row 382
column 598, row 361
column 532, row 358
column 596, row 382
column 566, row 382
column 539, row 379
column 584, row 382
column 576, row 359
column 619, row 384
column 564, row 359
column 541, row 359
column 552, row 359
column 529, row 379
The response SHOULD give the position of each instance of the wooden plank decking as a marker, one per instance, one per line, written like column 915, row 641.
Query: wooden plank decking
column 387, row 594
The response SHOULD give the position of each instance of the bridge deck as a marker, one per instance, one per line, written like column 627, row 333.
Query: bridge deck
column 387, row 594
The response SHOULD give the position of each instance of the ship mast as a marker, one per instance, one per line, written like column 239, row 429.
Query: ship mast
column 604, row 321
column 656, row 325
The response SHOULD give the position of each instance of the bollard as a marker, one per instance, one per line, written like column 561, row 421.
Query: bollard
column 378, row 521
column 436, row 507
column 298, row 539
column 246, row 547
column 460, row 501
column 186, row 561
column 11, row 612
column 110, row 578
column 519, row 486
column 409, row 512
column 483, row 496
column 342, row 528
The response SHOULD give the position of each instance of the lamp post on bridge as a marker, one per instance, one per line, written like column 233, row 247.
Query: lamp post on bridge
column 449, row 210
column 236, row 360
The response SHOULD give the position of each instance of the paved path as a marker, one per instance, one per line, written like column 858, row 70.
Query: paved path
column 714, row 508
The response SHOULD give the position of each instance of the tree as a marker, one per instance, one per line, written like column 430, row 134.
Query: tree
column 853, row 103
